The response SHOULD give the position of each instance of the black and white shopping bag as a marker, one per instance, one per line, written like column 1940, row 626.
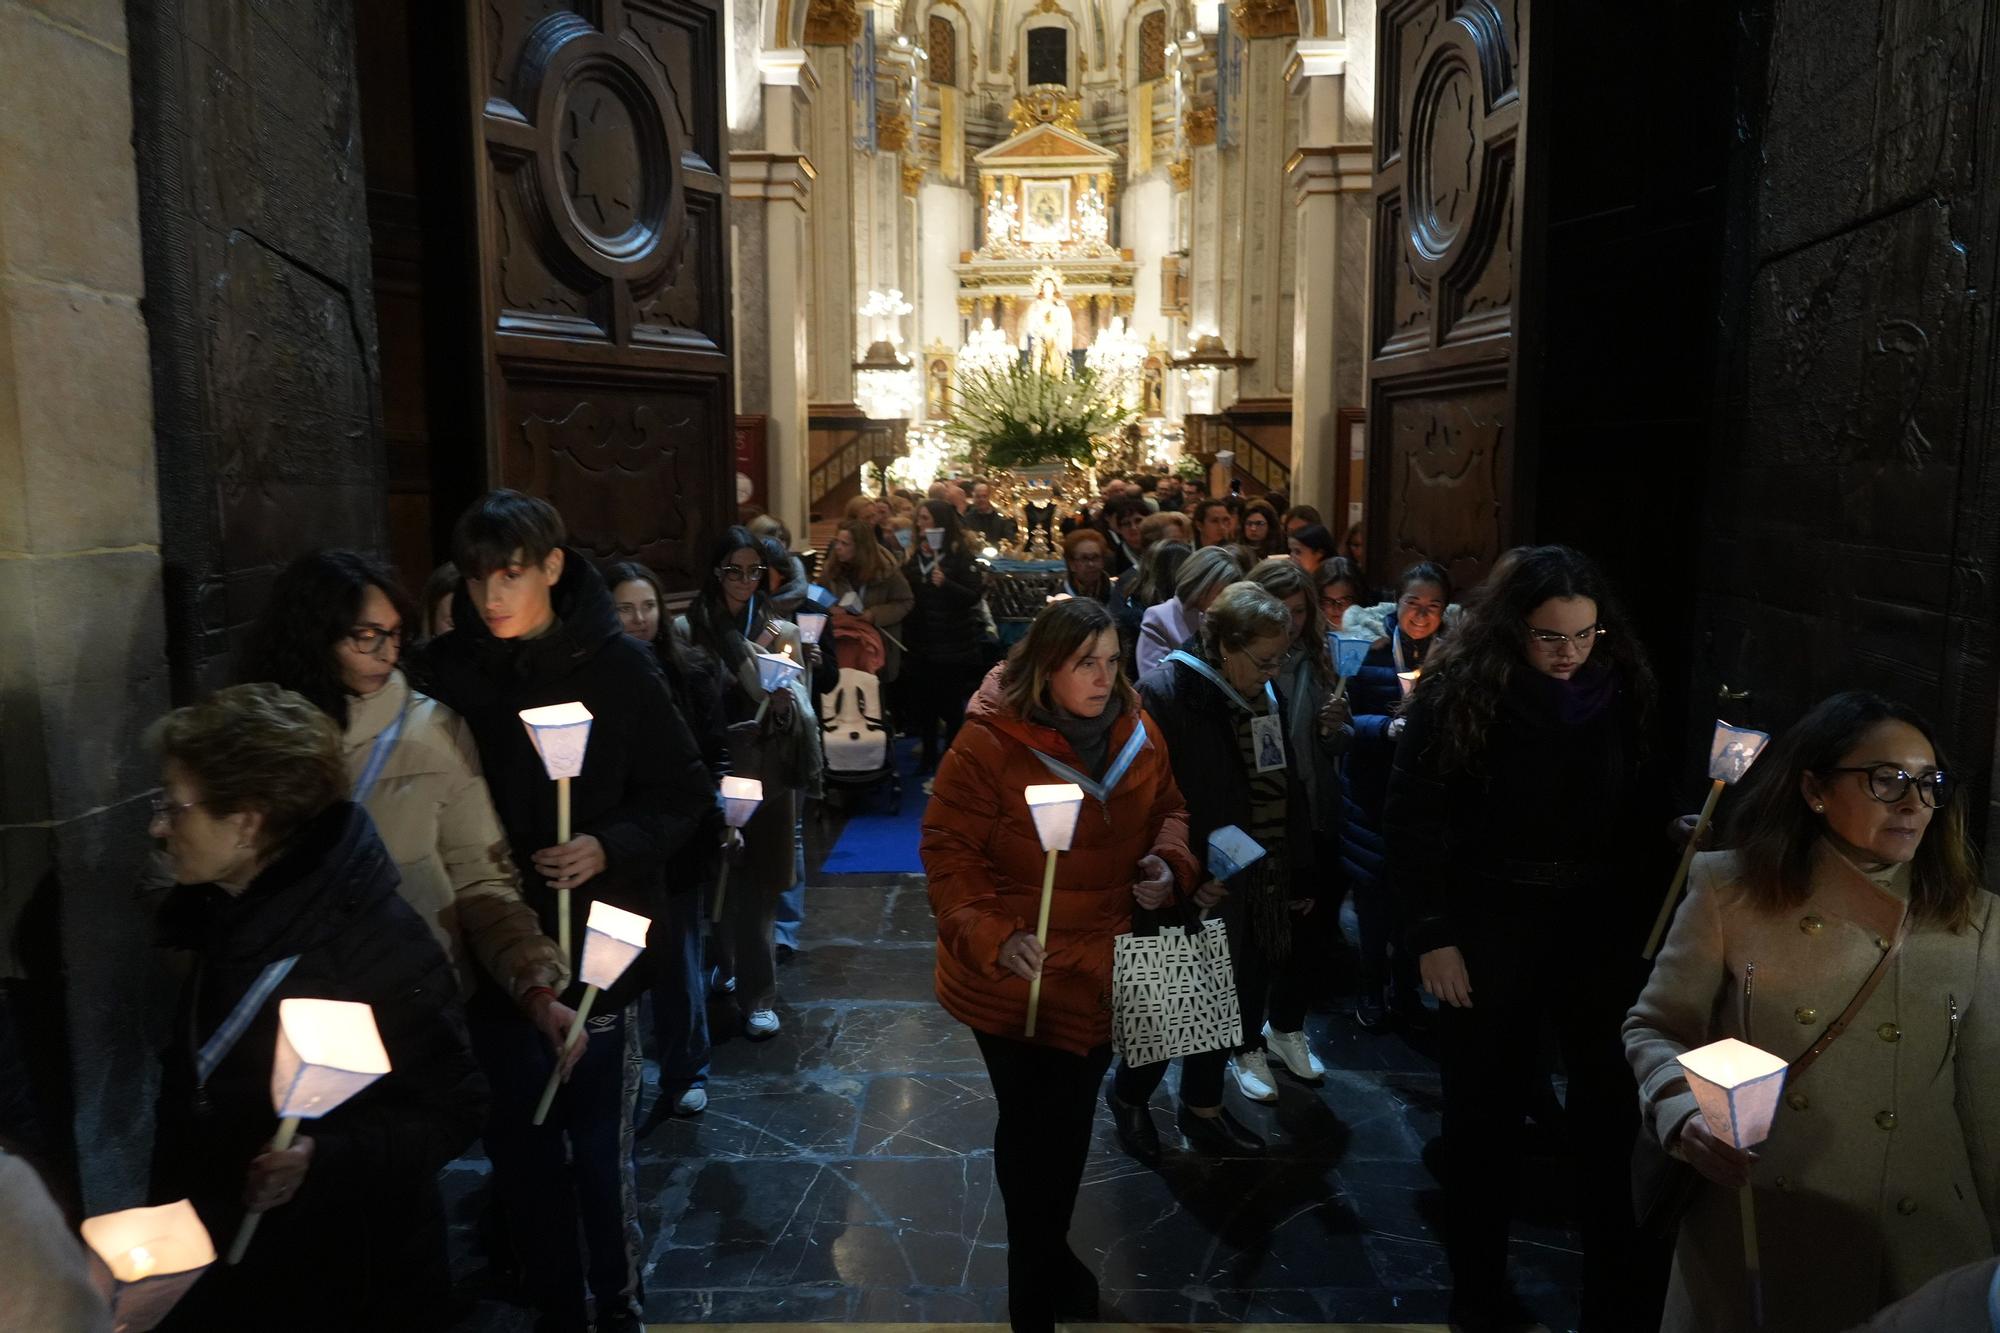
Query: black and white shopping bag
column 1173, row 993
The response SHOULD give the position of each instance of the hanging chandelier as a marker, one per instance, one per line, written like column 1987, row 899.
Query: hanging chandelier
column 886, row 385
column 986, row 352
column 1118, row 359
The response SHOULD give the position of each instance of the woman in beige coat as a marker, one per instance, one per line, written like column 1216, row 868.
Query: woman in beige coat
column 333, row 631
column 1882, row 1169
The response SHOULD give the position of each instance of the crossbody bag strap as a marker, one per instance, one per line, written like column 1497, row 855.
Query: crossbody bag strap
column 1854, row 1006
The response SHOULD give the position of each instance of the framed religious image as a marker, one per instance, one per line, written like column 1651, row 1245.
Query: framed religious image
column 1045, row 211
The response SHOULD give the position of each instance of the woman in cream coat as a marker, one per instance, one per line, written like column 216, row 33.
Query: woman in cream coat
column 1882, row 1169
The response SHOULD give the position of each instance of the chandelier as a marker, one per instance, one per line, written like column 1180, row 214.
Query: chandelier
column 986, row 352
column 886, row 386
column 1093, row 222
column 1118, row 359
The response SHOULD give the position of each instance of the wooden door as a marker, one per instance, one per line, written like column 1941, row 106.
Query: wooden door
column 604, row 269
column 1446, row 480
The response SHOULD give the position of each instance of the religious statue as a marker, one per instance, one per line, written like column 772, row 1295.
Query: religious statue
column 1000, row 213
column 1048, row 331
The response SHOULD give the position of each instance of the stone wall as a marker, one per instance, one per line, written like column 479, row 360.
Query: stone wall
column 264, row 343
column 1849, row 532
column 82, row 659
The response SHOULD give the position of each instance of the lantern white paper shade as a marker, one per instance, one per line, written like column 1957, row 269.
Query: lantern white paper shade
column 1733, row 750
column 1230, row 850
column 612, row 938
column 934, row 538
column 740, row 799
column 561, row 733
column 1348, row 653
column 1408, row 679
column 154, row 1254
column 1737, row 1086
column 1054, row 806
column 328, row 1050
column 820, row 596
column 812, row 624
column 773, row 671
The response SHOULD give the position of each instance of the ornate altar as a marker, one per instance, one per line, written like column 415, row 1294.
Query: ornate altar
column 1046, row 206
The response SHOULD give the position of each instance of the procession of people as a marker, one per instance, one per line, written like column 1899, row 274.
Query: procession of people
column 1242, row 732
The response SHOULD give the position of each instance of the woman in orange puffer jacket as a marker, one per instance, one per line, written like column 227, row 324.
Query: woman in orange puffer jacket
column 1058, row 710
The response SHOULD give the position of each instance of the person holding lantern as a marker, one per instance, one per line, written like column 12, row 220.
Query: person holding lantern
column 945, row 635
column 534, row 627
column 284, row 889
column 1517, row 822
column 1226, row 734
column 1059, row 699
column 1846, row 919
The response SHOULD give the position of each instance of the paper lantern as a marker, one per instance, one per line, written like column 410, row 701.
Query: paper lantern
column 821, row 597
column 1408, row 679
column 1733, row 750
column 774, row 671
column 328, row 1050
column 561, row 733
column 1348, row 652
column 154, row 1254
column 812, row 624
column 612, row 938
column 934, row 538
column 903, row 536
column 1054, row 807
column 740, row 799
column 1231, row 850
column 1737, row 1087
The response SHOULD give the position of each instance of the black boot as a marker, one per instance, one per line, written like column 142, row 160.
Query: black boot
column 1136, row 1134
column 1220, row 1135
column 1073, row 1286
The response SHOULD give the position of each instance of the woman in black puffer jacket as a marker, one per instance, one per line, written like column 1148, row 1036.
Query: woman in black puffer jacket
column 273, row 863
column 944, row 637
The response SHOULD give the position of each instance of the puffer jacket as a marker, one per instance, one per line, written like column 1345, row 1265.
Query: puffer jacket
column 985, row 866
column 945, row 628
column 432, row 810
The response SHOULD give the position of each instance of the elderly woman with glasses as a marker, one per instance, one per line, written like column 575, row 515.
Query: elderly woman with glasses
column 1846, row 919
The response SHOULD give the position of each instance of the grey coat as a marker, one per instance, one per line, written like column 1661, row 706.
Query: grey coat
column 1883, row 1165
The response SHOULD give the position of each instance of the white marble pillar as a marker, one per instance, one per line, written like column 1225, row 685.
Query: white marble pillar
column 1320, row 171
column 778, row 181
column 830, row 146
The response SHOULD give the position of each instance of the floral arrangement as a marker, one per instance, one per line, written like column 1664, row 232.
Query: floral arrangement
column 1017, row 416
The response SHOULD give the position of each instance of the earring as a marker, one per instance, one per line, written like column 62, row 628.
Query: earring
column 1819, row 809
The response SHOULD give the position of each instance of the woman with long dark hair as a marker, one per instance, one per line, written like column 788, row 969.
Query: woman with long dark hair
column 773, row 737
column 1311, row 546
column 680, row 992
column 1058, row 698
column 1847, row 919
column 1517, row 822
column 1406, row 630
column 945, row 635
column 1261, row 531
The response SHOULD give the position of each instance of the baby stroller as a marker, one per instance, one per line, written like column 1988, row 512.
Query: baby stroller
column 854, row 724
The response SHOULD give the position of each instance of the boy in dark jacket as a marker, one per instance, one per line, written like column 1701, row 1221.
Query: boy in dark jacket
column 534, row 625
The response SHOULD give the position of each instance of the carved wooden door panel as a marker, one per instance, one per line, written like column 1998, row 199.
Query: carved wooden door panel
column 1444, row 475
column 604, row 269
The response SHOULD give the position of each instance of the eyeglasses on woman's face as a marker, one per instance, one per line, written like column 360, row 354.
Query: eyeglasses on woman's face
column 740, row 573
column 1334, row 608
column 1890, row 783
column 374, row 640
column 1555, row 641
column 167, row 809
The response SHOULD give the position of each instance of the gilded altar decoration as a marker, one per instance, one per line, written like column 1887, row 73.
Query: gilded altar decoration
column 913, row 178
column 892, row 131
column 1049, row 104
column 832, row 23
column 1181, row 172
column 1265, row 18
column 1199, row 125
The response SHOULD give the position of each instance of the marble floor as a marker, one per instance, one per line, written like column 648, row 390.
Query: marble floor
column 843, row 1172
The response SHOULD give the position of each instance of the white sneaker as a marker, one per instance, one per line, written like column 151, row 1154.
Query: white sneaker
column 1291, row 1048
column 693, row 1102
column 1253, row 1076
column 761, row 1023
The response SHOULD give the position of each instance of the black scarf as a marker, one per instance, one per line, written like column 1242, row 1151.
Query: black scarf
column 1090, row 737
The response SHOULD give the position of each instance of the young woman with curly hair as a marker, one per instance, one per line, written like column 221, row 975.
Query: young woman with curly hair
column 1518, row 828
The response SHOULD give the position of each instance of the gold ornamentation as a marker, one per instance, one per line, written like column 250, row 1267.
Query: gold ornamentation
column 1047, row 7
column 832, row 23
column 913, row 178
column 1199, row 124
column 1048, row 104
column 1265, row 18
column 1182, row 172
column 892, row 131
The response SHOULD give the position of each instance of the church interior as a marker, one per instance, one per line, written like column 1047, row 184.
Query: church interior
column 1702, row 289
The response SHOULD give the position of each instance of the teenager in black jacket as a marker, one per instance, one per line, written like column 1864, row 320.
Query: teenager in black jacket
column 273, row 863
column 944, row 636
column 1517, row 827
column 533, row 625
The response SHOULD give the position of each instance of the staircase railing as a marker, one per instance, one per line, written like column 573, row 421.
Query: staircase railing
column 1210, row 435
column 878, row 442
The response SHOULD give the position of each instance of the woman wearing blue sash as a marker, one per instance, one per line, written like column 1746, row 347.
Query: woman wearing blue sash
column 1226, row 735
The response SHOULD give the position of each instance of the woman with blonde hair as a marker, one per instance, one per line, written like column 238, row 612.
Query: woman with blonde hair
column 861, row 572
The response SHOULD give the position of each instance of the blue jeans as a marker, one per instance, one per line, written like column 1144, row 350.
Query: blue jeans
column 680, row 994
column 792, row 902
column 543, row 1197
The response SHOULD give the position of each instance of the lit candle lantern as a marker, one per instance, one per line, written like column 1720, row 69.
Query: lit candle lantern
column 812, row 624
column 1731, row 752
column 154, row 1255
column 1408, row 680
column 1054, row 807
column 612, row 939
column 561, row 733
column 1348, row 653
column 1737, row 1086
column 740, row 799
column 1232, row 851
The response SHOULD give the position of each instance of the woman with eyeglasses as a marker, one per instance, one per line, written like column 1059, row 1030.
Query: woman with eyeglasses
column 1405, row 632
column 1339, row 585
column 1520, row 823
column 1227, row 738
column 944, row 638
column 773, row 737
column 333, row 632
column 1848, row 918
column 1261, row 530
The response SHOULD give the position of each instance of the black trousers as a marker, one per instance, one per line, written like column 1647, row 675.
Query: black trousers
column 1535, row 964
column 1047, row 1100
column 935, row 695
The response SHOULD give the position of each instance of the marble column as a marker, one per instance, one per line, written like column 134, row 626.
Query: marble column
column 829, row 144
column 1320, row 171
column 777, row 182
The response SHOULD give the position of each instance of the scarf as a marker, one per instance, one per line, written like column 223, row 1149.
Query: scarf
column 1090, row 737
column 1540, row 699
